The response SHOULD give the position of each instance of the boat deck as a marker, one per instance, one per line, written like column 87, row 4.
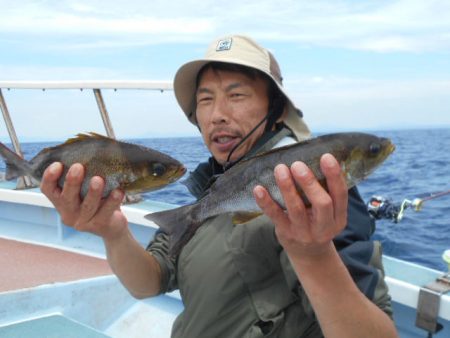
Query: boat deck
column 26, row 265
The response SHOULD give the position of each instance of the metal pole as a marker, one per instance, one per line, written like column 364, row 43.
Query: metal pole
column 110, row 132
column 25, row 181
column 9, row 125
column 104, row 113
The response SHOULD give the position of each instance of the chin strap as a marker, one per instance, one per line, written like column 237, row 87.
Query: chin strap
column 228, row 164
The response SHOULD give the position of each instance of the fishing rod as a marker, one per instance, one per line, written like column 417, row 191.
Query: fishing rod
column 380, row 207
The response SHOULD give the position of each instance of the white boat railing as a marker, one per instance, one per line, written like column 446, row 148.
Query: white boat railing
column 106, row 84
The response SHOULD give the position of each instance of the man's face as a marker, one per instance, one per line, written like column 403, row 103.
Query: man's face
column 229, row 106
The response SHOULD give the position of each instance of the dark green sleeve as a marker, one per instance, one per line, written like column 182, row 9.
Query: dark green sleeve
column 159, row 248
column 361, row 255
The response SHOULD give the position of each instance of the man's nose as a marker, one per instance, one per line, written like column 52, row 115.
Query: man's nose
column 220, row 111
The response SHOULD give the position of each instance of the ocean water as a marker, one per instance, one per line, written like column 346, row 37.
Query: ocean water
column 419, row 165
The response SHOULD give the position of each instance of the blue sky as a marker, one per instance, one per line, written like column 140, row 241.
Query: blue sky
column 349, row 65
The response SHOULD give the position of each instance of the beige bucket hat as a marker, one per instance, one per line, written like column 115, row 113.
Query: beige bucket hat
column 239, row 50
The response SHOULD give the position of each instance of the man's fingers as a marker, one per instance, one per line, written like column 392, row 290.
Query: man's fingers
column 269, row 206
column 91, row 202
column 69, row 202
column 49, row 182
column 294, row 204
column 72, row 184
column 111, row 204
column 320, row 200
column 337, row 187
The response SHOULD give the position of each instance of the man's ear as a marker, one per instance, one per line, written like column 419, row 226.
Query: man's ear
column 281, row 108
column 277, row 111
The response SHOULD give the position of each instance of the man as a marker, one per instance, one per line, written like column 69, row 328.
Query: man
column 304, row 272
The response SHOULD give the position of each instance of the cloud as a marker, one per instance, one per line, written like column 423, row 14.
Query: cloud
column 344, row 103
column 355, row 88
column 56, row 22
column 382, row 26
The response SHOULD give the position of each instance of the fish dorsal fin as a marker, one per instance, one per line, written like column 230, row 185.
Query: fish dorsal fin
column 245, row 216
column 86, row 136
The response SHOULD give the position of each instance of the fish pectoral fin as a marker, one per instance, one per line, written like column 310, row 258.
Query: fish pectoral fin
column 130, row 187
column 245, row 216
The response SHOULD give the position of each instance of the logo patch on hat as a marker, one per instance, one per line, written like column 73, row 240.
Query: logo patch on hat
column 224, row 45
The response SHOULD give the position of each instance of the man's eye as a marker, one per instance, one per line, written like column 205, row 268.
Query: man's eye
column 203, row 99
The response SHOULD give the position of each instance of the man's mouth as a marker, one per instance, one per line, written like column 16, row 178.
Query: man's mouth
column 223, row 139
column 225, row 143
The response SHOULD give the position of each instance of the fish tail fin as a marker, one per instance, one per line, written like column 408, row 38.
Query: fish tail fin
column 15, row 165
column 178, row 223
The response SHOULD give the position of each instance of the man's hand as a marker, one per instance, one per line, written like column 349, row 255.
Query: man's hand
column 302, row 231
column 103, row 217
column 307, row 235
column 92, row 214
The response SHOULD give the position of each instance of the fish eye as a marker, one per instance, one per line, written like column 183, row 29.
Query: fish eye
column 375, row 148
column 158, row 169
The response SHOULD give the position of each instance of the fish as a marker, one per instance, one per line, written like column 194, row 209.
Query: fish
column 358, row 154
column 130, row 167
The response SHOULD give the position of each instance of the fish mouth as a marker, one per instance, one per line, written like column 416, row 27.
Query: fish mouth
column 391, row 148
column 172, row 174
column 150, row 183
column 177, row 173
column 388, row 148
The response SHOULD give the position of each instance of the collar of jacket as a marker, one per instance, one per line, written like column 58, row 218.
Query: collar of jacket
column 206, row 173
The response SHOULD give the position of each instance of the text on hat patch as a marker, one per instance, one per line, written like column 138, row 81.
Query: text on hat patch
column 223, row 45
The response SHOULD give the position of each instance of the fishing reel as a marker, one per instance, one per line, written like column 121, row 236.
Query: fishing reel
column 380, row 207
